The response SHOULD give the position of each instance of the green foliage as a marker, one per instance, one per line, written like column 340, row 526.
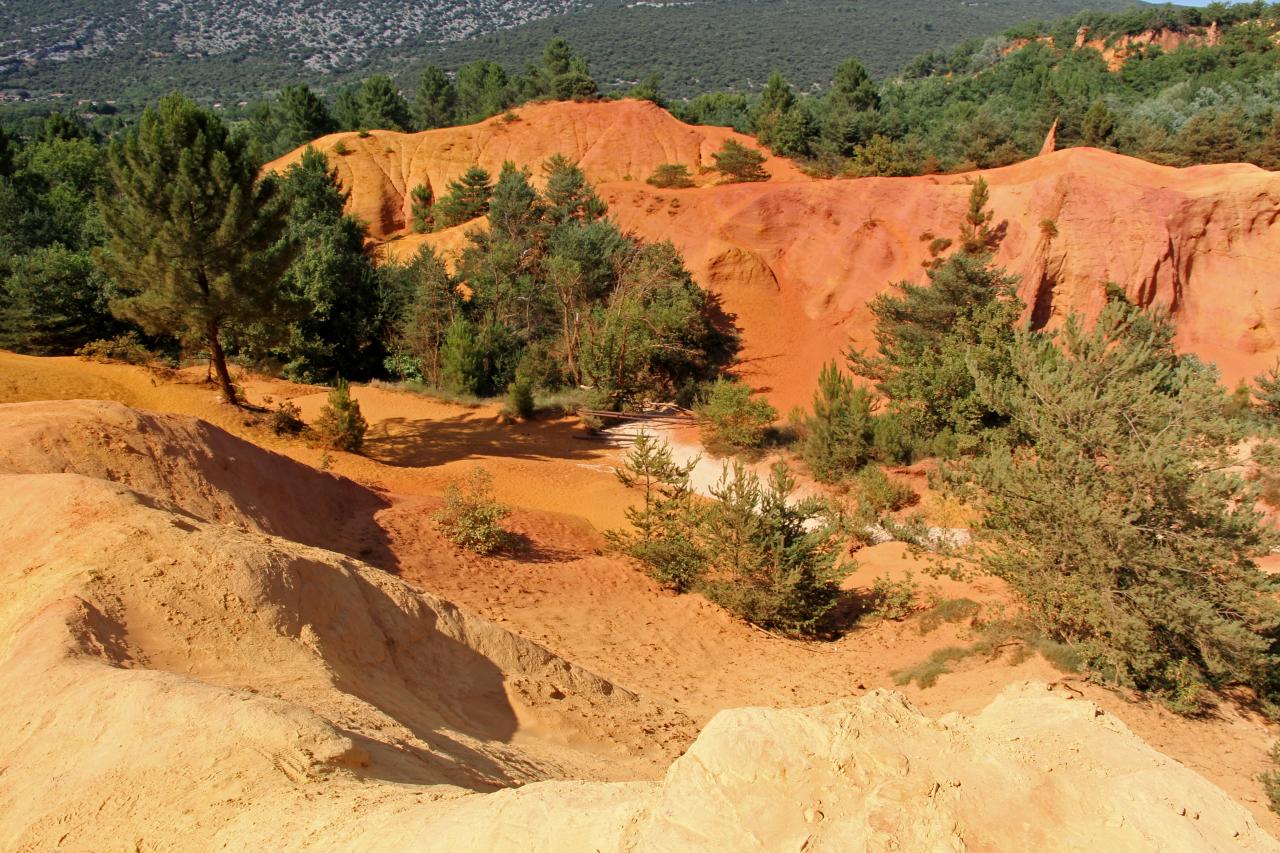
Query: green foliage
column 1268, row 391
column 739, row 163
column 382, row 105
column 286, row 419
column 569, row 196
column 927, row 672
column 948, row 610
column 664, row 534
column 878, row 494
column 892, row 600
column 53, row 300
column 837, row 437
column 420, row 200
column 483, row 90
column 461, row 359
column 125, row 348
column 429, row 306
column 467, row 199
column 340, row 425
column 471, row 517
column 1271, row 780
column 932, row 337
column 1121, row 524
column 435, row 104
column 671, row 176
column 771, row 559
column 194, row 237
column 520, row 397
column 732, row 419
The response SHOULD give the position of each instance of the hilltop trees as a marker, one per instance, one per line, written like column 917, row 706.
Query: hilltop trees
column 436, row 102
column 467, row 199
column 382, row 106
column 739, row 163
column 193, row 234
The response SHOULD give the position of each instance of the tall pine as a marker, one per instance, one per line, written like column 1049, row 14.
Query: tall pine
column 193, row 236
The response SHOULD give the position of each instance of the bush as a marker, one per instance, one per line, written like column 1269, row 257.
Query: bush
column 948, row 610
column 471, row 518
column 838, row 435
column 892, row 440
column 739, row 163
column 340, row 425
column 878, row 494
column 893, row 600
column 1271, row 780
column 770, row 560
column 520, row 397
column 664, row 532
column 671, row 176
column 421, row 200
column 125, row 348
column 341, row 148
column 732, row 420
column 286, row 419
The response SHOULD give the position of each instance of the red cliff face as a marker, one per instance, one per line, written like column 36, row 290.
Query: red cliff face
column 797, row 259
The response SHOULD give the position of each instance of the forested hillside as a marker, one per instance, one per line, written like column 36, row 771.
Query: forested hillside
column 224, row 50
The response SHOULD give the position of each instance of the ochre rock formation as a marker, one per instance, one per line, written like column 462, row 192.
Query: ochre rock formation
column 797, row 259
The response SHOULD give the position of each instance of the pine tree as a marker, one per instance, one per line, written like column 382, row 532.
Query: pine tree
column 420, row 200
column 1268, row 391
column 1099, row 125
column 468, row 199
column 515, row 210
column 483, row 90
column 1122, row 523
column 435, row 104
column 304, row 117
column 569, row 194
column 382, row 106
column 461, row 359
column 853, row 89
column 664, row 526
column 341, row 426
column 739, row 163
column 193, row 235
column 838, row 435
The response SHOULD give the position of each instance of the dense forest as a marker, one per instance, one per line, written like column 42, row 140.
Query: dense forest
column 231, row 52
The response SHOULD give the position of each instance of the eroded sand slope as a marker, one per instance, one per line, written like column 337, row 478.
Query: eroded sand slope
column 168, row 679
column 797, row 259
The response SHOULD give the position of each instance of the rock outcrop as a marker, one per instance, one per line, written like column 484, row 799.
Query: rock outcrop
column 796, row 260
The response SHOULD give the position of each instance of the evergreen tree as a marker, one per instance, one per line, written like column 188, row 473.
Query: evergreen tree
column 435, row 104
column 53, row 301
column 337, row 317
column 1122, row 524
column 664, row 526
column 431, row 304
column 1211, row 137
column 837, row 438
column 1268, row 391
column 193, row 235
column 569, row 194
column 382, row 105
column 341, row 426
column 649, row 89
column 739, row 163
column 421, row 215
column 515, row 210
column 482, row 90
column 346, row 109
column 772, row 559
column 304, row 117
column 1099, row 125
column 852, row 89
column 775, row 99
column 461, row 359
column 468, row 199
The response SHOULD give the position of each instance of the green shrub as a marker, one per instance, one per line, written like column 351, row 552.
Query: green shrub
column 671, row 176
column 948, row 610
column 1271, row 780
column 126, row 348
column 892, row 441
column 421, row 200
column 664, row 533
column 893, row 600
column 732, row 420
column 471, row 518
column 520, row 397
column 738, row 163
column 340, row 425
column 286, row 419
column 838, row 435
column 770, row 560
column 927, row 672
column 341, row 148
column 878, row 494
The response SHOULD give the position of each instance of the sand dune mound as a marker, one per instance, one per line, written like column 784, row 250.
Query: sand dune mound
column 197, row 467
column 797, row 259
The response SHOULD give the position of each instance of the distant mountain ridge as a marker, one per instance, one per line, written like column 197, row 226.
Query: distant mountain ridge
column 242, row 49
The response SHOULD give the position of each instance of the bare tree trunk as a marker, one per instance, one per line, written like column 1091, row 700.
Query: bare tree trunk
column 219, row 360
